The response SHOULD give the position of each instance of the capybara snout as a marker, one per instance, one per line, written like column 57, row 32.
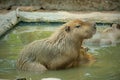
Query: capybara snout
column 94, row 25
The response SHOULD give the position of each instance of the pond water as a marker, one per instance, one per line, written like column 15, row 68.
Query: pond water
column 106, row 67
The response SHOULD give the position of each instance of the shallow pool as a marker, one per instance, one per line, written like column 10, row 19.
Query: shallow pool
column 106, row 67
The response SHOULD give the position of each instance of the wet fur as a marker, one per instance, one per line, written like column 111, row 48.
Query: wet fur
column 59, row 51
column 108, row 36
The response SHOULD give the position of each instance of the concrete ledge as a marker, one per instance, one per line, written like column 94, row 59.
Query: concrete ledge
column 10, row 19
column 63, row 16
column 7, row 22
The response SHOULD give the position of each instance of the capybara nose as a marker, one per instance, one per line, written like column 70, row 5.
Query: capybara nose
column 94, row 25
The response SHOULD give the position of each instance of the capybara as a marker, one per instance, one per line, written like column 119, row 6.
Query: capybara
column 108, row 36
column 113, row 28
column 59, row 51
column 85, row 54
column 111, row 34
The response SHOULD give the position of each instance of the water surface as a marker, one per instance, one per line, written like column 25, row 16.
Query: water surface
column 106, row 67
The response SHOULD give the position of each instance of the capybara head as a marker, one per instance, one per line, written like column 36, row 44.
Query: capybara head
column 80, row 29
column 116, row 26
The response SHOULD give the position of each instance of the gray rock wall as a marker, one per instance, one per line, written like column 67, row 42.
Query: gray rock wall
column 83, row 5
column 9, row 20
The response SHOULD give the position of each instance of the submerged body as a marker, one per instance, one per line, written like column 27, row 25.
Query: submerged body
column 59, row 51
column 108, row 36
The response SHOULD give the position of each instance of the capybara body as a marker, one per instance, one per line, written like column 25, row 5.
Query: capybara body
column 108, row 36
column 59, row 51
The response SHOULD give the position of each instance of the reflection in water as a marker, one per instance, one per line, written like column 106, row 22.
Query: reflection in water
column 105, row 68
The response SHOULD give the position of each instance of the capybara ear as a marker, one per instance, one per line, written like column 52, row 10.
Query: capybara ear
column 118, row 26
column 67, row 28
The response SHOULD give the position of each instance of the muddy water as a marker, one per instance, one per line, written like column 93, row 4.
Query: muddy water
column 106, row 67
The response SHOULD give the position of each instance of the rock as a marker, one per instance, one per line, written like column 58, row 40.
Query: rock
column 10, row 19
column 7, row 22
column 80, row 5
column 50, row 79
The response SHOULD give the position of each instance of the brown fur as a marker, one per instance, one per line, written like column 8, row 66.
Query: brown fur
column 110, row 35
column 59, row 51
column 85, row 56
column 114, row 28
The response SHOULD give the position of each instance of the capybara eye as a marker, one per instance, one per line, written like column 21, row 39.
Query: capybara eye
column 77, row 26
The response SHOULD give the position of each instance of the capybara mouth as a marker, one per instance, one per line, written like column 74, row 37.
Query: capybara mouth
column 94, row 32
